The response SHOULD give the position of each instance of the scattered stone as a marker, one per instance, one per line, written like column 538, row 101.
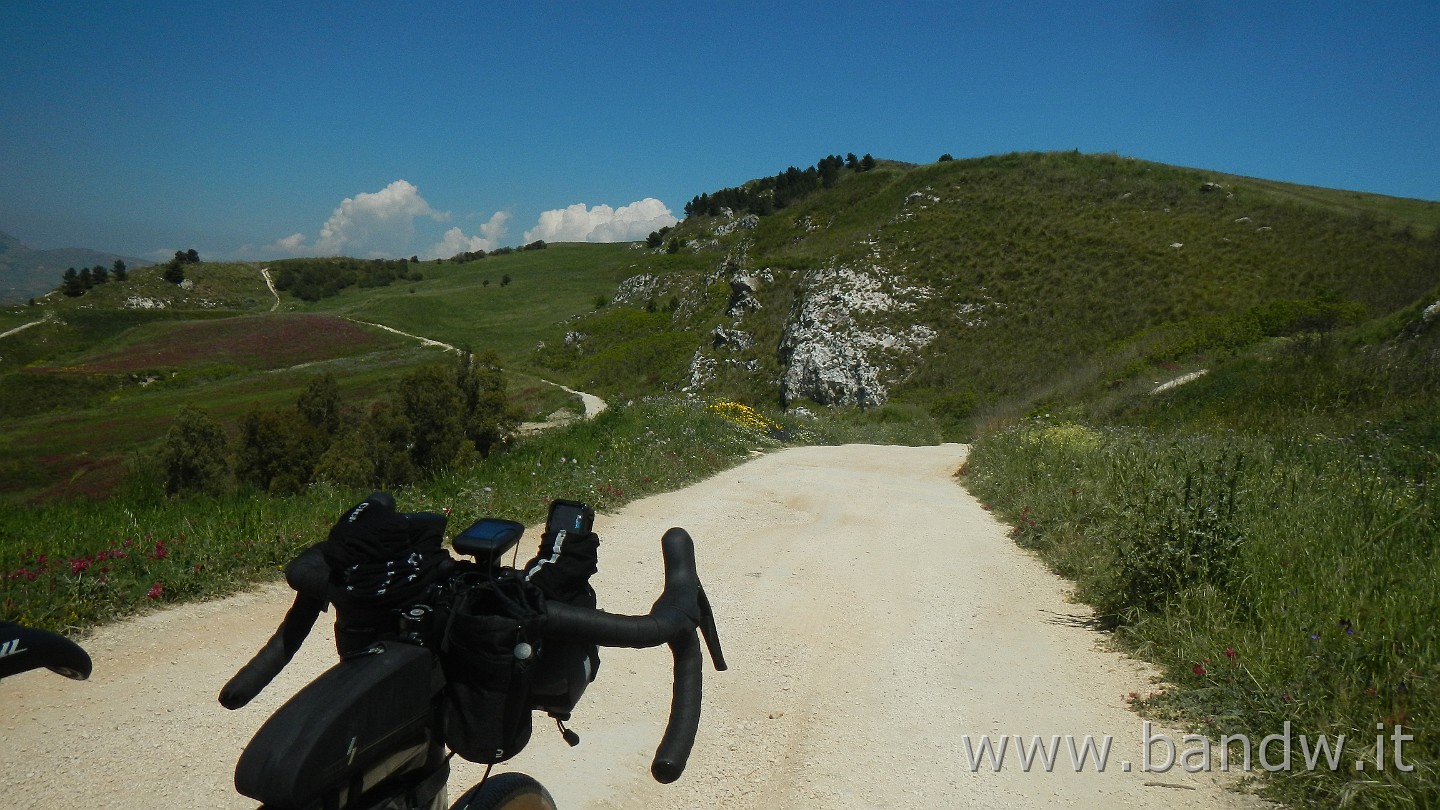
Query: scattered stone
column 742, row 297
column 746, row 223
column 732, row 339
column 636, row 289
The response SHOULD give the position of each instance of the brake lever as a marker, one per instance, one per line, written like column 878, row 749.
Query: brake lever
column 708, row 630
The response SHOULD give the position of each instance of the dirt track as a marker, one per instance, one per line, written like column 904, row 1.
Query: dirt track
column 871, row 611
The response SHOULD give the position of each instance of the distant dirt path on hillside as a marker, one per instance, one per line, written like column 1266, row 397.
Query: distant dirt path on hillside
column 593, row 404
column 22, row 327
column 872, row 613
column 424, row 341
column 265, row 273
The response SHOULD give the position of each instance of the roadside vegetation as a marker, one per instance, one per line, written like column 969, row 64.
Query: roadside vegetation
column 1266, row 534
column 66, row 569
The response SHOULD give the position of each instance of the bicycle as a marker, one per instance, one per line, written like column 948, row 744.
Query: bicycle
column 377, row 730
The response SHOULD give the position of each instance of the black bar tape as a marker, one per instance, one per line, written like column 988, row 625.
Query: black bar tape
column 277, row 652
column 674, row 749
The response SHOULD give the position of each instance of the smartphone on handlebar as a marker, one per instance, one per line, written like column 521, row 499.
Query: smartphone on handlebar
column 572, row 517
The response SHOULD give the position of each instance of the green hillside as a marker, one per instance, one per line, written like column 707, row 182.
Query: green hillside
column 1037, row 273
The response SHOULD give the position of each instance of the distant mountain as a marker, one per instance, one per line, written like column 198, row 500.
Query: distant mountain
column 26, row 273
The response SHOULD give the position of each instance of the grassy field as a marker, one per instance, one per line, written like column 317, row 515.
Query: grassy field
column 83, row 393
column 467, row 305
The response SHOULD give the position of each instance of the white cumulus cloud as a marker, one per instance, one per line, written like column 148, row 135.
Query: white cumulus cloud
column 381, row 223
column 455, row 241
column 602, row 223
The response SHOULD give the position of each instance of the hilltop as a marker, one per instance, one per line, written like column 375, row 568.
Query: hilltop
column 26, row 272
column 975, row 288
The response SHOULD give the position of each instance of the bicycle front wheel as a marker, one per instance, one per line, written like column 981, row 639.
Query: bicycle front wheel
column 506, row 791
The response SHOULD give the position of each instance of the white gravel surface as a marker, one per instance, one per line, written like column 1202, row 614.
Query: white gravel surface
column 871, row 611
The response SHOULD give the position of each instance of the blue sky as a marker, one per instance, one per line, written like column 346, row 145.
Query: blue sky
column 260, row 129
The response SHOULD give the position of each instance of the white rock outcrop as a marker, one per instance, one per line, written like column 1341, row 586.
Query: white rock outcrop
column 833, row 350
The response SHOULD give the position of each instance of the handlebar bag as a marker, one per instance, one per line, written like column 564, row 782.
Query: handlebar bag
column 490, row 647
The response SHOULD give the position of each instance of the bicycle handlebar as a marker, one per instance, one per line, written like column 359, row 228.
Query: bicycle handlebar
column 681, row 609
column 26, row 648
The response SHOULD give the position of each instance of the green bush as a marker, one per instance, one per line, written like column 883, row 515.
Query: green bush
column 1170, row 538
column 194, row 455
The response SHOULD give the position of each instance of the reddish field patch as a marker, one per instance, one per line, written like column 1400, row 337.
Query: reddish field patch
column 256, row 342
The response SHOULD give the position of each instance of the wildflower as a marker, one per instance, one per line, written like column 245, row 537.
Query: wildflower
column 1230, row 653
column 1345, row 625
column 1198, row 669
column 79, row 564
column 161, row 552
column 155, row 592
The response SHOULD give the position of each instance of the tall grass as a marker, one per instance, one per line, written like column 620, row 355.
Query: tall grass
column 1272, row 581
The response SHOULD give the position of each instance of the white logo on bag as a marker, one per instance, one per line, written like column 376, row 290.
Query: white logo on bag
column 11, row 647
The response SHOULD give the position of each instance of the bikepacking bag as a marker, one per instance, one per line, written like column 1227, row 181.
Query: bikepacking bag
column 365, row 721
column 489, row 651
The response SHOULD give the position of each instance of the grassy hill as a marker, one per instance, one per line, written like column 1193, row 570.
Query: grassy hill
column 1043, row 281
column 1037, row 273
column 28, row 273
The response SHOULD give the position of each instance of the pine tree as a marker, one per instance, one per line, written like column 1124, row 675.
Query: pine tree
column 70, row 284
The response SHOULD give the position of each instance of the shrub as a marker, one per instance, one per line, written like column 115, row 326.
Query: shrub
column 193, row 456
column 1168, row 540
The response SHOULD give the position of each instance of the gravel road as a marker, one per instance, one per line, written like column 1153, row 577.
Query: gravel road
column 872, row 612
